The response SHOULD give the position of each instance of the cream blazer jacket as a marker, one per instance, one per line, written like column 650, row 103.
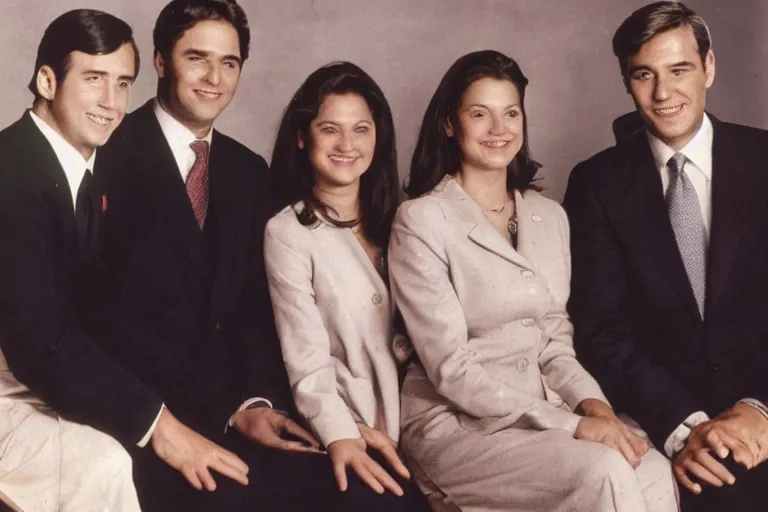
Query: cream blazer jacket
column 334, row 319
column 488, row 322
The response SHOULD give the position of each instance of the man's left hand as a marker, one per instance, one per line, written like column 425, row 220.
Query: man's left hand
column 272, row 429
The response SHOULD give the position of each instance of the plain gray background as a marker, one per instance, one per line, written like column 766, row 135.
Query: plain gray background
column 564, row 47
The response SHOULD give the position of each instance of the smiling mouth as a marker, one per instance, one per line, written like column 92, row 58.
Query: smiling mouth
column 343, row 160
column 207, row 94
column 668, row 112
column 103, row 121
column 495, row 143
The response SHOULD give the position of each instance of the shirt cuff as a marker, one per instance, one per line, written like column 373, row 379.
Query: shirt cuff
column 755, row 404
column 247, row 405
column 144, row 440
column 676, row 440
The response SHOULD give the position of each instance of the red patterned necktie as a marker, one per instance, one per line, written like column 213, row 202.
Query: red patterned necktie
column 197, row 181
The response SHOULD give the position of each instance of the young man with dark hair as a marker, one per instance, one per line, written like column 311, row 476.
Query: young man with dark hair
column 669, row 249
column 56, row 386
column 181, row 297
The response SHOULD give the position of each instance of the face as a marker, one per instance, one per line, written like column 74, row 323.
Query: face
column 202, row 74
column 90, row 102
column 669, row 83
column 490, row 125
column 342, row 141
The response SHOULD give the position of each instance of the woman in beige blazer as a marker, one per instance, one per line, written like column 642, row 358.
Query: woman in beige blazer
column 335, row 167
column 497, row 413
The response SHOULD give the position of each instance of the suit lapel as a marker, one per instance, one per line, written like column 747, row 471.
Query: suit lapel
column 731, row 195
column 168, row 188
column 643, row 202
column 468, row 215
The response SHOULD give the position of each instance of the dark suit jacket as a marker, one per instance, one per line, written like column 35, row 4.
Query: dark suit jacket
column 41, row 287
column 637, row 325
column 187, row 311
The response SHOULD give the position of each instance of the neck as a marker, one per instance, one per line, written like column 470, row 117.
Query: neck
column 345, row 201
column 43, row 111
column 487, row 188
column 200, row 130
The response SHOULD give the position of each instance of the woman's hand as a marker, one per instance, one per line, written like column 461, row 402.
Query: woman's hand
column 600, row 425
column 388, row 448
column 351, row 453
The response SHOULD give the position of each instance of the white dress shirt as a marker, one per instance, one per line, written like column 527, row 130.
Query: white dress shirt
column 71, row 160
column 179, row 138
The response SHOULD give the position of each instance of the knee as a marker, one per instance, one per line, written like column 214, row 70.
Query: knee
column 604, row 465
column 107, row 459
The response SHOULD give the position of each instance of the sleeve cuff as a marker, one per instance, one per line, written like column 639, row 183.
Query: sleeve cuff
column 676, row 440
column 755, row 404
column 144, row 440
column 248, row 404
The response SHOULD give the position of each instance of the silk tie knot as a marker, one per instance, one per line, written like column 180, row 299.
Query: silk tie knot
column 677, row 162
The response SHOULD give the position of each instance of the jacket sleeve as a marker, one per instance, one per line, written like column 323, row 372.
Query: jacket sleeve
column 422, row 288
column 604, row 337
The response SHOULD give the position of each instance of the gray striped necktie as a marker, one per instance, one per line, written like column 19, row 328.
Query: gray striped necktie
column 688, row 226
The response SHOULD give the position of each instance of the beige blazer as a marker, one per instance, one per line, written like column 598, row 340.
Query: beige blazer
column 334, row 319
column 488, row 322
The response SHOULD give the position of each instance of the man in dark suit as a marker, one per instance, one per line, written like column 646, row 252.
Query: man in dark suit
column 55, row 383
column 180, row 296
column 669, row 277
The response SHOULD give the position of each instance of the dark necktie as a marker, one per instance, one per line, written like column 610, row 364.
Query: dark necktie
column 197, row 181
column 83, row 210
column 688, row 226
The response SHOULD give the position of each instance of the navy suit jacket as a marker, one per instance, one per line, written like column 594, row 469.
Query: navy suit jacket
column 637, row 327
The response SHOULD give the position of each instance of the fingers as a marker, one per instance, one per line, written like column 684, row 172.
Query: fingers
column 741, row 452
column 714, row 442
column 205, row 477
column 391, row 457
column 626, row 449
column 340, row 472
column 188, row 472
column 682, row 479
column 295, row 429
column 375, row 476
column 710, row 466
column 297, row 447
column 230, row 468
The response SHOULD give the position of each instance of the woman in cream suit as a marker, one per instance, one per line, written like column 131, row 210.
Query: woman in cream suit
column 497, row 413
column 335, row 166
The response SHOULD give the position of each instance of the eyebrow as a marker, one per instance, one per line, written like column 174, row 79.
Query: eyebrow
column 334, row 123
column 681, row 64
column 105, row 74
column 512, row 105
column 205, row 54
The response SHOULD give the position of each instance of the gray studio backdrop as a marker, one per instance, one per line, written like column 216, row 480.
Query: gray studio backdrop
column 564, row 47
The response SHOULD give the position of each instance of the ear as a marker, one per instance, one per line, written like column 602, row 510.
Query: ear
column 300, row 141
column 159, row 65
column 709, row 68
column 448, row 128
column 46, row 84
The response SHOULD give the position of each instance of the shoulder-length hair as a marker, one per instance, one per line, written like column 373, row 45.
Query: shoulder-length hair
column 436, row 154
column 292, row 171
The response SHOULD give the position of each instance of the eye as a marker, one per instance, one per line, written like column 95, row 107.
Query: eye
column 195, row 58
column 477, row 114
column 231, row 64
column 513, row 113
column 641, row 75
column 124, row 84
column 362, row 129
column 679, row 71
column 93, row 78
column 328, row 129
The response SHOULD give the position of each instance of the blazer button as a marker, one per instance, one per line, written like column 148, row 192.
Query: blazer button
column 528, row 275
column 535, row 218
column 522, row 365
column 376, row 299
column 218, row 326
column 527, row 322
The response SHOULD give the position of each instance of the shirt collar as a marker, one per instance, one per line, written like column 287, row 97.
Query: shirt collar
column 179, row 136
column 698, row 150
column 72, row 162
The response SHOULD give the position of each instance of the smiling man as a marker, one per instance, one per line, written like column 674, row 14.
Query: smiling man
column 669, row 248
column 56, row 386
column 180, row 297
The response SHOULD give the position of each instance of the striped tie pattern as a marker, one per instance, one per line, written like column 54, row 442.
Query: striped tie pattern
column 197, row 181
column 688, row 226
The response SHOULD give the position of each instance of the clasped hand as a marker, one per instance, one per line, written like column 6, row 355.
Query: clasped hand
column 600, row 425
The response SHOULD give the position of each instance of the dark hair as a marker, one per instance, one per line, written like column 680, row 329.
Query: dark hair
column 180, row 15
column 436, row 154
column 81, row 30
column 291, row 167
column 647, row 22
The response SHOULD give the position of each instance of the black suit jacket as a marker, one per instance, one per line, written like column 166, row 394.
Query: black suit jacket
column 41, row 291
column 187, row 311
column 637, row 327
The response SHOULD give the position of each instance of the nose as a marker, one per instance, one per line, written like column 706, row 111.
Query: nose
column 109, row 94
column 345, row 142
column 213, row 76
column 497, row 124
column 660, row 89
